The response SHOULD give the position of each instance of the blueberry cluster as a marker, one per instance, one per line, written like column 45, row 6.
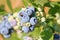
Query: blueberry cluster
column 5, row 27
column 28, row 20
column 24, row 19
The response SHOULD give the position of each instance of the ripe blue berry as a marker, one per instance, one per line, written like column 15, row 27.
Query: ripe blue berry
column 33, row 21
column 56, row 36
column 31, row 27
column 25, row 29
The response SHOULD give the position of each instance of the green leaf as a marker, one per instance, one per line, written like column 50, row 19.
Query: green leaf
column 9, row 4
column 3, row 13
column 54, row 10
column 41, row 2
column 46, row 35
column 25, row 2
column 36, row 32
column 51, row 37
column 31, row 1
column 2, row 8
column 16, row 10
column 35, row 5
column 56, row 28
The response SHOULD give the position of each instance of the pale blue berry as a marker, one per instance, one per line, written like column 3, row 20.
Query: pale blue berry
column 6, row 36
column 4, row 31
column 28, row 11
column 31, row 8
column 7, row 25
column 31, row 27
column 33, row 21
column 25, row 29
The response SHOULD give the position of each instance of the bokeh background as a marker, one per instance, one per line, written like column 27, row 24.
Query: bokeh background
column 49, row 7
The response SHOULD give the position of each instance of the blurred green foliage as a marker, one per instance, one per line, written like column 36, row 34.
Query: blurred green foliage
column 2, row 10
column 9, row 4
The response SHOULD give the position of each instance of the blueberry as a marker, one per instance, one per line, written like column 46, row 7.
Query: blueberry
column 25, row 18
column 21, row 14
column 6, row 36
column 3, row 23
column 5, row 18
column 4, row 31
column 7, row 25
column 31, row 27
column 1, row 26
column 10, row 30
column 31, row 8
column 56, row 36
column 25, row 29
column 33, row 21
column 28, row 11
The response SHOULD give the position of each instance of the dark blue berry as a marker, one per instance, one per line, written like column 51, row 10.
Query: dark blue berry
column 56, row 36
